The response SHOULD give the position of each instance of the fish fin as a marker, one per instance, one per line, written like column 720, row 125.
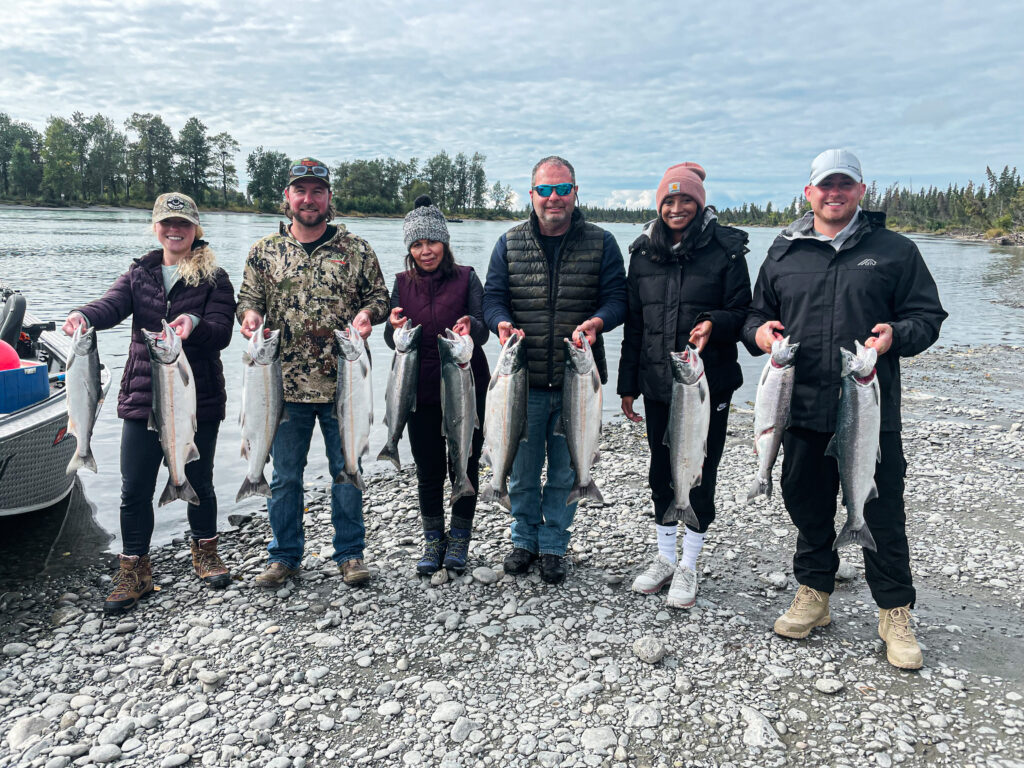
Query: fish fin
column 172, row 492
column 488, row 494
column 464, row 489
column 759, row 487
column 833, row 448
column 390, row 453
column 872, row 493
column 344, row 478
column 665, row 440
column 183, row 372
column 195, row 423
column 588, row 491
column 151, row 424
column 861, row 538
column 246, row 358
column 703, row 393
column 684, row 514
column 597, row 457
column 249, row 488
column 699, row 480
column 193, row 453
column 244, row 453
column 476, row 420
column 560, row 429
column 78, row 462
column 878, row 456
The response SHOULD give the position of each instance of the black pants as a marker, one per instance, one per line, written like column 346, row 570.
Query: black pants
column 140, row 464
column 430, row 451
column 702, row 497
column 810, row 482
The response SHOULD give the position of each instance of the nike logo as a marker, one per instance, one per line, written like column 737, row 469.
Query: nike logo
column 868, row 263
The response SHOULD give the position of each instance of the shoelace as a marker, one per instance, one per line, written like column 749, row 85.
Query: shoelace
column 432, row 551
column 209, row 561
column 899, row 618
column 805, row 597
column 124, row 580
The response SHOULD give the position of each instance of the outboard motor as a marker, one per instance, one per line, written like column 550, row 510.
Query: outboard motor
column 11, row 319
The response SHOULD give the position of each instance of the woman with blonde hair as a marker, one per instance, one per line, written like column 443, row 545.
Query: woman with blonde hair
column 180, row 282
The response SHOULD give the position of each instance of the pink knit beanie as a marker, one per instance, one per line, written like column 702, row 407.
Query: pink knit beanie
column 682, row 179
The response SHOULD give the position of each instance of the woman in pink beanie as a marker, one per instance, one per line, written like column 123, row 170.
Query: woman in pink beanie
column 688, row 284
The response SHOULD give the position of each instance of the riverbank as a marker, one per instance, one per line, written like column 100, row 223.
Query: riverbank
column 487, row 669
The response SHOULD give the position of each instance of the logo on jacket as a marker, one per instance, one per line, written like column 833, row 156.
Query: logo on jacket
column 868, row 263
column 338, row 261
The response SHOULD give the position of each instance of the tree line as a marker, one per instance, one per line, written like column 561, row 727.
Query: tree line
column 91, row 159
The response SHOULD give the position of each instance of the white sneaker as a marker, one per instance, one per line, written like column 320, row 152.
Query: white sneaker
column 658, row 574
column 683, row 592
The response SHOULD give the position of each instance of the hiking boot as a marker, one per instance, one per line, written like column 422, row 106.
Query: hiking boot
column 901, row 648
column 683, row 592
column 353, row 572
column 433, row 551
column 809, row 610
column 458, row 550
column 518, row 561
column 275, row 576
column 552, row 568
column 133, row 581
column 209, row 567
column 658, row 574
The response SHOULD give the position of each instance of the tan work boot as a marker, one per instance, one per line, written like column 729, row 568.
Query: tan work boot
column 809, row 610
column 209, row 567
column 275, row 576
column 901, row 648
column 133, row 581
column 354, row 572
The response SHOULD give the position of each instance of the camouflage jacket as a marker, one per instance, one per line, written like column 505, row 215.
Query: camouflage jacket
column 308, row 297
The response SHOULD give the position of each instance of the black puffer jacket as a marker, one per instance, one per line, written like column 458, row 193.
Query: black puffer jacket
column 668, row 297
column 828, row 299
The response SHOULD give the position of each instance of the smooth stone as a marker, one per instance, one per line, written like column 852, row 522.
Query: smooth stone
column 598, row 739
column 105, row 753
column 828, row 685
column 14, row 650
column 484, row 575
column 649, row 649
column 448, row 712
column 25, row 729
column 175, row 759
column 116, row 733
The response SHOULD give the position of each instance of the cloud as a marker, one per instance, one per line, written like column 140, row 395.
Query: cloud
column 629, row 198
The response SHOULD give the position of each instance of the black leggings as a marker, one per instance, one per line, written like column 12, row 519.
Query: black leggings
column 702, row 498
column 140, row 464
column 430, row 451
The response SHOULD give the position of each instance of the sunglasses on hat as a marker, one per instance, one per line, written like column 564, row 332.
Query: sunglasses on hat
column 316, row 170
column 545, row 190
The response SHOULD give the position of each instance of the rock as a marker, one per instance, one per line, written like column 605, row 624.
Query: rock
column 828, row 685
column 582, row 690
column 649, row 649
column 524, row 622
column 325, row 723
column 777, row 579
column 389, row 708
column 847, row 571
column 484, row 575
column 25, row 729
column 461, row 730
column 14, row 650
column 439, row 577
column 116, row 733
column 175, row 759
column 759, row 732
column 105, row 753
column 643, row 716
column 598, row 740
column 66, row 615
column 264, row 722
column 448, row 712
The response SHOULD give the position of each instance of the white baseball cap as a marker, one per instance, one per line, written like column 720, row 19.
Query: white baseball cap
column 836, row 161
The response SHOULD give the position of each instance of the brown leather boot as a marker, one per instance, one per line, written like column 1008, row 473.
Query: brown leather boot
column 209, row 567
column 901, row 648
column 133, row 581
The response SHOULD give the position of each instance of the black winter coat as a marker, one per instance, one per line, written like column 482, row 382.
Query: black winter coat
column 667, row 298
column 139, row 292
column 828, row 299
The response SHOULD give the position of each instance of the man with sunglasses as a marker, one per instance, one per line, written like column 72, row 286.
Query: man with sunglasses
column 554, row 276
column 307, row 280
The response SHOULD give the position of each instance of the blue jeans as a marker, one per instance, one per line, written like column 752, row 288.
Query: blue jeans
column 291, row 446
column 540, row 517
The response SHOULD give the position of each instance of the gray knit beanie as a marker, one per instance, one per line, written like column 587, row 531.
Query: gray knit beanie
column 424, row 222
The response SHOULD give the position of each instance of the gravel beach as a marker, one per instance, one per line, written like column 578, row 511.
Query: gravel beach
column 488, row 669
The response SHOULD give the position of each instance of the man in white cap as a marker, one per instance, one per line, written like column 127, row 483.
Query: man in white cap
column 834, row 277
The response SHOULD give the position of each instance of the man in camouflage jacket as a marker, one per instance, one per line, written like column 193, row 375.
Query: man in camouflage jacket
column 307, row 280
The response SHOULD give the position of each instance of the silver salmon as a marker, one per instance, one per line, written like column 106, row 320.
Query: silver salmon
column 581, row 417
column 771, row 413
column 84, row 395
column 687, row 433
column 353, row 404
column 400, row 398
column 262, row 409
column 505, row 418
column 458, row 407
column 174, row 411
column 855, row 444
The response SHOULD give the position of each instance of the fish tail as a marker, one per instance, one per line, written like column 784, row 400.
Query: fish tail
column 356, row 479
column 760, row 487
column 862, row 538
column 78, row 462
column 253, row 488
column 686, row 515
column 588, row 491
column 465, row 489
column 390, row 453
column 173, row 492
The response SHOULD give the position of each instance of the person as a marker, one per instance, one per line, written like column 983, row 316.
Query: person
column 436, row 293
column 307, row 280
column 687, row 284
column 834, row 277
column 554, row 276
column 179, row 282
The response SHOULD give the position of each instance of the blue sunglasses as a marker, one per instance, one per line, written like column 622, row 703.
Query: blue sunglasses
column 545, row 190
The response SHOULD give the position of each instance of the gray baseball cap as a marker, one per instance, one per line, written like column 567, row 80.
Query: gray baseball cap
column 175, row 205
column 836, row 161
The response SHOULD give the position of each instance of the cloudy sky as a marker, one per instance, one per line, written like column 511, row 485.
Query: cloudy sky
column 924, row 92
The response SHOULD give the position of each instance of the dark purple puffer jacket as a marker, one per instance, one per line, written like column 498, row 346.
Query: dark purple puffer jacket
column 139, row 292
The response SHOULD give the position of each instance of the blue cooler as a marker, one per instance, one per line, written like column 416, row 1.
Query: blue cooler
column 21, row 387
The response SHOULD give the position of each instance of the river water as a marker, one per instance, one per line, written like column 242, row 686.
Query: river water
column 60, row 259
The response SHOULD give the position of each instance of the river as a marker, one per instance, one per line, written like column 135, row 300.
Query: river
column 60, row 259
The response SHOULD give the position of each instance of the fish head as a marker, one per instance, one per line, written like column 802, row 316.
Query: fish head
column 784, row 353
column 350, row 343
column 408, row 336
column 860, row 364
column 83, row 341
column 454, row 347
column 687, row 367
column 263, row 347
column 512, row 357
column 579, row 359
column 164, row 346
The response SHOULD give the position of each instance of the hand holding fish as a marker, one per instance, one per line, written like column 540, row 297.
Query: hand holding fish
column 361, row 322
column 251, row 320
column 396, row 318
column 463, row 326
column 883, row 341
column 506, row 329
column 767, row 334
column 589, row 328
column 182, row 326
column 700, row 334
column 75, row 321
column 627, row 409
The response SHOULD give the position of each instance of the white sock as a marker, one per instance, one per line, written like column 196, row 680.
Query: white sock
column 667, row 541
column 693, row 542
